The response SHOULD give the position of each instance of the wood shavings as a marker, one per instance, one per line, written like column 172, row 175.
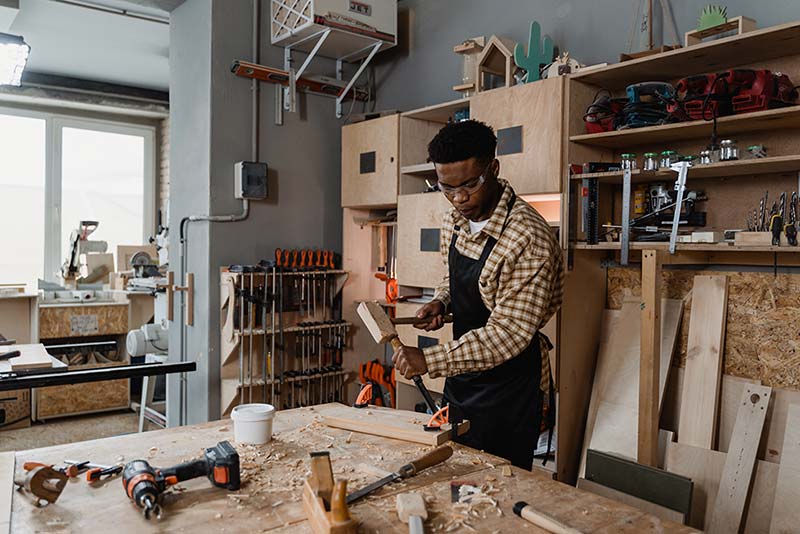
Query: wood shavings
column 506, row 471
column 348, row 438
column 277, row 503
column 223, row 429
column 218, row 515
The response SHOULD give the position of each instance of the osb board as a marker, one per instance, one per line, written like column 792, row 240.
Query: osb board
column 59, row 401
column 15, row 318
column 378, row 188
column 415, row 267
column 272, row 478
column 705, row 468
column 761, row 340
column 17, row 407
column 538, row 108
column 55, row 321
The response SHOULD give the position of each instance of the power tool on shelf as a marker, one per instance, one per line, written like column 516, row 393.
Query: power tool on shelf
column 144, row 483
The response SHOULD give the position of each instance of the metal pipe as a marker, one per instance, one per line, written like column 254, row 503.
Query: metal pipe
column 252, row 324
column 241, row 339
column 114, row 11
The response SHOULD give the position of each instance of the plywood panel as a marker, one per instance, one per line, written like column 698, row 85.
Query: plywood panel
column 699, row 403
column 416, row 267
column 538, row 108
column 613, row 411
column 15, row 318
column 787, row 491
column 17, row 407
column 761, row 339
column 705, row 467
column 62, row 321
column 415, row 134
column 737, row 474
column 378, row 188
column 31, row 357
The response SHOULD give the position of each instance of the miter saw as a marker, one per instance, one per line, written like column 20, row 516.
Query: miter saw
column 80, row 244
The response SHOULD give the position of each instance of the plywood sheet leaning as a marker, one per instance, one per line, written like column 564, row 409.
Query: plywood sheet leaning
column 397, row 424
column 734, row 486
column 700, row 396
column 705, row 467
column 31, row 357
column 613, row 408
column 6, row 490
column 787, row 492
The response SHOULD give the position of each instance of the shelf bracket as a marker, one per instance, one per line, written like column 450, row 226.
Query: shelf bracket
column 339, row 99
column 626, row 217
column 682, row 168
column 290, row 92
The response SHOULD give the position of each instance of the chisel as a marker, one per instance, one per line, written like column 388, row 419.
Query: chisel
column 435, row 457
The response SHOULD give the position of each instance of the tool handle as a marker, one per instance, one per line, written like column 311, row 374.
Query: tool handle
column 295, row 253
column 339, row 512
column 396, row 343
column 415, row 525
column 434, row 457
column 416, row 320
column 185, row 471
column 541, row 520
column 425, row 393
column 10, row 354
column 27, row 466
column 331, row 261
column 776, row 225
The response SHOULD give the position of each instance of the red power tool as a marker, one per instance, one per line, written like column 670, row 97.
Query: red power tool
column 144, row 483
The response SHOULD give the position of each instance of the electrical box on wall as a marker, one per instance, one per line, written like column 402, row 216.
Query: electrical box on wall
column 250, row 180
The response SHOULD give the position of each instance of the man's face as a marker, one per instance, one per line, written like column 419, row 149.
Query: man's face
column 464, row 176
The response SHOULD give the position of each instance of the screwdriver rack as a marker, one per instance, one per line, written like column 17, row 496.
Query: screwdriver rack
column 282, row 337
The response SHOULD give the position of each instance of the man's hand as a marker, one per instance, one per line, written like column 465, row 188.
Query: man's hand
column 431, row 316
column 409, row 362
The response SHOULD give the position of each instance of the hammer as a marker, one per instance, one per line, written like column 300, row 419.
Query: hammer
column 383, row 331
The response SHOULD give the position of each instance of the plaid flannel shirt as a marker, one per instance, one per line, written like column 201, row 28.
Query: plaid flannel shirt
column 522, row 284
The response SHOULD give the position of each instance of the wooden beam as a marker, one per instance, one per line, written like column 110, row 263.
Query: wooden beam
column 700, row 396
column 741, row 460
column 649, row 359
column 787, row 491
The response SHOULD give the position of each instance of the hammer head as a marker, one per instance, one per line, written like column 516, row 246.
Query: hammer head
column 376, row 321
column 409, row 505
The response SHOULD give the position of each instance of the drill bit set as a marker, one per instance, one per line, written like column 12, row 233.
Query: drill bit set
column 282, row 319
column 780, row 219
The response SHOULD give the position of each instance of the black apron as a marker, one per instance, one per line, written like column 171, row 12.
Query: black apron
column 503, row 404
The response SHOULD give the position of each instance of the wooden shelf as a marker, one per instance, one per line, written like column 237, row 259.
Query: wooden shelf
column 703, row 247
column 438, row 112
column 771, row 119
column 745, row 167
column 422, row 169
column 747, row 48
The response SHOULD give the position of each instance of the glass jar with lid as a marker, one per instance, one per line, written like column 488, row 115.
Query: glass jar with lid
column 668, row 157
column 728, row 151
column 650, row 161
column 628, row 161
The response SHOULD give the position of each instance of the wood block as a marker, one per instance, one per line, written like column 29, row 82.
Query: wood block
column 646, row 506
column 409, row 505
column 397, row 424
column 705, row 467
column 376, row 321
column 31, row 357
column 6, row 490
column 756, row 239
column 737, row 474
column 787, row 491
column 699, row 400
column 708, row 237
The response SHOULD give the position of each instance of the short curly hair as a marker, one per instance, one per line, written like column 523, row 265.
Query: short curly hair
column 459, row 141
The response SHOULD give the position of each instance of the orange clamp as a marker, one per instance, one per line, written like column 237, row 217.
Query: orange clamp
column 364, row 396
column 278, row 254
column 330, row 260
column 303, row 255
column 295, row 253
column 319, row 259
column 310, row 259
column 440, row 418
column 286, row 258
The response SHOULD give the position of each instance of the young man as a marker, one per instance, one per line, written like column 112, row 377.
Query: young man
column 504, row 282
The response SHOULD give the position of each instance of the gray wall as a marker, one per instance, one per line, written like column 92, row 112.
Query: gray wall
column 210, row 130
column 424, row 69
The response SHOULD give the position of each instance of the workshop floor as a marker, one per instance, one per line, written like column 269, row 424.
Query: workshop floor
column 71, row 429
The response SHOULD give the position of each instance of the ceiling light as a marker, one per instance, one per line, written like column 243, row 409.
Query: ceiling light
column 13, row 57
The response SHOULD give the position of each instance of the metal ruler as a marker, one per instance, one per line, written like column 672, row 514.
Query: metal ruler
column 682, row 168
column 626, row 217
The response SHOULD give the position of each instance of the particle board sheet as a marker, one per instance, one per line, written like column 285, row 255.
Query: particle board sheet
column 646, row 506
column 614, row 405
column 785, row 517
column 60, row 321
column 705, row 468
column 737, row 474
column 76, row 399
column 386, row 422
column 761, row 339
column 31, row 357
column 700, row 396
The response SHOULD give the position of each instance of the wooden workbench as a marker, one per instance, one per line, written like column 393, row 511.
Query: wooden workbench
column 272, row 476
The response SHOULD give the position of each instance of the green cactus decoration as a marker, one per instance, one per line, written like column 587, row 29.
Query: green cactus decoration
column 712, row 16
column 539, row 53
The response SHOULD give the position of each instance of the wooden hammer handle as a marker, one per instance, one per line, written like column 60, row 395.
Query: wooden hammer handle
column 416, row 320
column 396, row 343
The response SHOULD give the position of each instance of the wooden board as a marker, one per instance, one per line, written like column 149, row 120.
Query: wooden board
column 370, row 189
column 397, row 424
column 643, row 505
column 737, row 474
column 613, row 409
column 787, row 491
column 31, row 357
column 698, row 422
column 415, row 213
column 705, row 467
column 6, row 490
column 650, row 359
column 538, row 109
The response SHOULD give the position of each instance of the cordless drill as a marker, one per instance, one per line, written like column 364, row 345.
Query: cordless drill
column 144, row 484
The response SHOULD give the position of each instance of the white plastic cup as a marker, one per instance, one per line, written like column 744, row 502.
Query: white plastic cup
column 252, row 423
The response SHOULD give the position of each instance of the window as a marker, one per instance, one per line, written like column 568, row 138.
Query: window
column 56, row 171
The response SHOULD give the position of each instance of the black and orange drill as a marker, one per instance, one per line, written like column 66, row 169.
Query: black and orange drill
column 144, row 483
